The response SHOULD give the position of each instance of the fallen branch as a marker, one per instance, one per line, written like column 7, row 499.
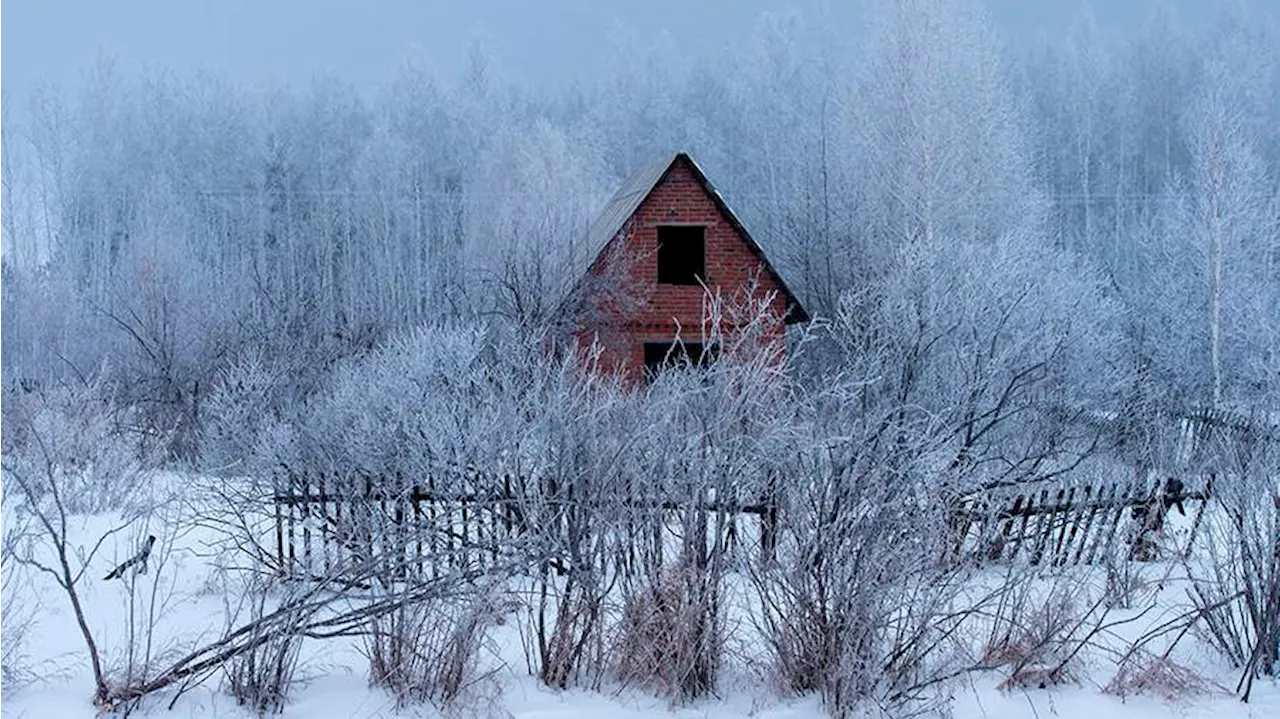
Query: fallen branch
column 303, row 615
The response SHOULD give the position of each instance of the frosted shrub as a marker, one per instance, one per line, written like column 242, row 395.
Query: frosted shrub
column 854, row 608
column 240, row 412
column 17, row 613
column 671, row 635
column 430, row 651
column 1237, row 586
column 1147, row 674
column 261, row 677
column 77, row 437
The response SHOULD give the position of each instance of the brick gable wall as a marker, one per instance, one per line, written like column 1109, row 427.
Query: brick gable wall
column 653, row 310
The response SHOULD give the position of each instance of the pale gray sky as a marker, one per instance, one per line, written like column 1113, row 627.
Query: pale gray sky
column 537, row 42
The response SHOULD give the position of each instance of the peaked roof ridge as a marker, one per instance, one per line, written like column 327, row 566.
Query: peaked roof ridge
column 636, row 188
column 625, row 202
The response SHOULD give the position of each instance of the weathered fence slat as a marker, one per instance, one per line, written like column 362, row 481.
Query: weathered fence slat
column 1068, row 521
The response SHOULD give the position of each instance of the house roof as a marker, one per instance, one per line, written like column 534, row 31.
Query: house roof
column 639, row 185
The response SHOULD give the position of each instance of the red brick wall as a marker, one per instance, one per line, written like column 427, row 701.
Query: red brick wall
column 654, row 309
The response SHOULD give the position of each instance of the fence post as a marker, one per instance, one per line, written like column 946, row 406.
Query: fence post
column 324, row 530
column 280, row 507
column 401, row 535
column 290, row 521
column 769, row 521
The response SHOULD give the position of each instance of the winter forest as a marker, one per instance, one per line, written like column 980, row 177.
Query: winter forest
column 1033, row 267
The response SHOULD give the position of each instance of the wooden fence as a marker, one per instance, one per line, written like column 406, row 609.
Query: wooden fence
column 1073, row 524
column 325, row 521
column 412, row 530
column 420, row 529
column 1088, row 522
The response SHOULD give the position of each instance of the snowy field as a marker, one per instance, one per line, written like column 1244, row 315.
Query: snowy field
column 192, row 599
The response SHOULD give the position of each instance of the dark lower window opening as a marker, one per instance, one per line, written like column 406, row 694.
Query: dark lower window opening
column 664, row 356
column 682, row 254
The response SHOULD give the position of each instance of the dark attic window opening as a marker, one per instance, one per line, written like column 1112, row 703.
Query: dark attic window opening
column 665, row 356
column 681, row 254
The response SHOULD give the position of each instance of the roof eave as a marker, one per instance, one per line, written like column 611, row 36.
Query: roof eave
column 796, row 312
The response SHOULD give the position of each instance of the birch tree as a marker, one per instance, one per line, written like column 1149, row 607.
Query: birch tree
column 944, row 143
column 1225, row 209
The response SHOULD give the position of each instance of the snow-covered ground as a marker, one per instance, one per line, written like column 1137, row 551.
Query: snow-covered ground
column 191, row 605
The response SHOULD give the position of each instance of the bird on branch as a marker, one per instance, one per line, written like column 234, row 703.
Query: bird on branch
column 139, row 560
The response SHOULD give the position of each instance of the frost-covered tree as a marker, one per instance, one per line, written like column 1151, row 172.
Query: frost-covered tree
column 1208, row 272
column 943, row 140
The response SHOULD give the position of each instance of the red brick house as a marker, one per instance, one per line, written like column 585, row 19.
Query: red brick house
column 674, row 277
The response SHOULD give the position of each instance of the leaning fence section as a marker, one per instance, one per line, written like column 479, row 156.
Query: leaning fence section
column 1074, row 523
column 1084, row 521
